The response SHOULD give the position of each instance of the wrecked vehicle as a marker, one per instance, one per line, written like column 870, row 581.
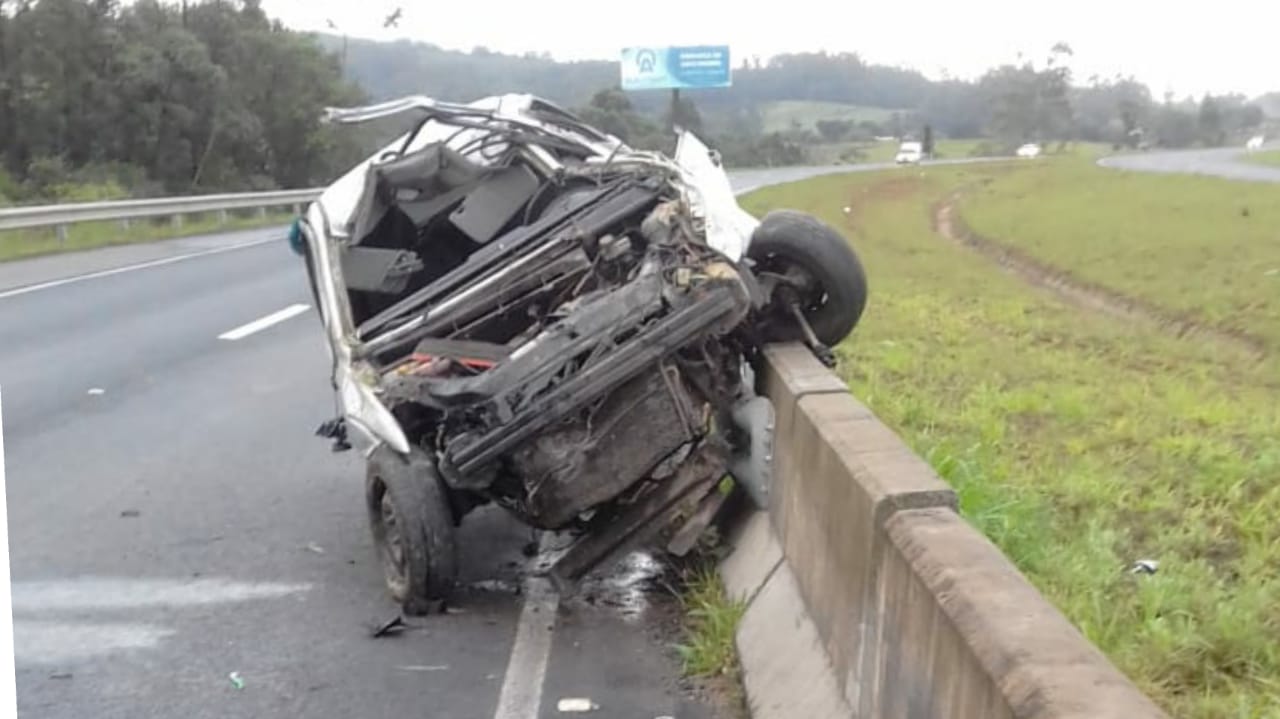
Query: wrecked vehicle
column 524, row 310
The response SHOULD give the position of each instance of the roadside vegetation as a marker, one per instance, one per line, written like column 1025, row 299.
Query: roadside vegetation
column 707, row 649
column 1082, row 443
column 21, row 244
column 711, row 623
column 104, row 100
column 785, row 115
column 1200, row 247
column 1270, row 158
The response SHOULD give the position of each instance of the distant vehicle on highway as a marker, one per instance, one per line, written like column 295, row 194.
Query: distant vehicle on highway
column 1255, row 142
column 1029, row 150
column 910, row 153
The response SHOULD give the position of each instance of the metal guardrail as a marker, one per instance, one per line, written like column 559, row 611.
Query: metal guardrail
column 60, row 216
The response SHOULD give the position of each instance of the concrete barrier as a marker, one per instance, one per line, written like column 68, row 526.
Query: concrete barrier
column 869, row 596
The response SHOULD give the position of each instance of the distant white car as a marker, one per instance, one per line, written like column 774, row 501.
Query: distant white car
column 910, row 153
column 1255, row 143
column 1029, row 150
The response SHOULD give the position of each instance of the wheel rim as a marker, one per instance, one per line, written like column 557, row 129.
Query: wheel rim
column 391, row 546
column 802, row 283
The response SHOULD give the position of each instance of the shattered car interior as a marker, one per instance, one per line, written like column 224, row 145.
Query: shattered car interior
column 524, row 311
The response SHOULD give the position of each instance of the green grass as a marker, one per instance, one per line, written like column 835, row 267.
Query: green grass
column 88, row 235
column 711, row 621
column 1271, row 158
column 780, row 115
column 1201, row 247
column 877, row 152
column 1077, row 442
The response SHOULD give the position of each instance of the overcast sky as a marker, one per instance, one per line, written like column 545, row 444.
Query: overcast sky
column 1220, row 46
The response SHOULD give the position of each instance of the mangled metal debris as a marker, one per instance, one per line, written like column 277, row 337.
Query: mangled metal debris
column 522, row 310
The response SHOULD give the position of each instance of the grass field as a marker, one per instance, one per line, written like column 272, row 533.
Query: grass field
column 1201, row 247
column 1081, row 443
column 1270, row 158
column 779, row 116
column 30, row 243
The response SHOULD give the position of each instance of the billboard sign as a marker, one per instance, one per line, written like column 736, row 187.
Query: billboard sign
column 674, row 68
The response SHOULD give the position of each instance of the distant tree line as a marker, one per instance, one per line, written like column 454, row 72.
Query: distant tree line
column 99, row 98
column 102, row 98
column 1014, row 103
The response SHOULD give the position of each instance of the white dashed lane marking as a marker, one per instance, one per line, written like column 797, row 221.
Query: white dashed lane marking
column 263, row 323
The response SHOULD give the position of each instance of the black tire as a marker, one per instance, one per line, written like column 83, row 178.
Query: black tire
column 413, row 528
column 833, row 304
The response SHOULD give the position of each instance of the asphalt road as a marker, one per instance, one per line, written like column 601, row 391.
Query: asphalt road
column 1218, row 162
column 173, row 519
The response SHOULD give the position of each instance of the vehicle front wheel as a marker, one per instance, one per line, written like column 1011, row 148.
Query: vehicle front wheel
column 413, row 528
column 810, row 267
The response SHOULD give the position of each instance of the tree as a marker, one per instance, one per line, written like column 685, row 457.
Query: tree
column 834, row 130
column 1027, row 104
column 1251, row 117
column 158, row 95
column 896, row 127
column 1210, row 122
column 611, row 110
column 684, row 114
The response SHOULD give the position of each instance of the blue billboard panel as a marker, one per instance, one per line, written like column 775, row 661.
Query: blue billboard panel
column 663, row 68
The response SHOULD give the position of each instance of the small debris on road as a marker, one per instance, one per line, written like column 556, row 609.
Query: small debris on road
column 395, row 626
column 495, row 585
column 96, row 391
column 61, row 675
column 424, row 667
column 1144, row 566
column 130, row 513
column 576, row 705
column 316, row 548
column 236, row 681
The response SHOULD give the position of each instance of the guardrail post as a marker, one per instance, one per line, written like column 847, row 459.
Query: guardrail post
column 125, row 224
column 176, row 220
column 222, row 217
column 297, row 209
column 262, row 213
column 61, row 232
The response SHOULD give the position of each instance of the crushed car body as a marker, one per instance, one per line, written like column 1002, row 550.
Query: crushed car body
column 523, row 310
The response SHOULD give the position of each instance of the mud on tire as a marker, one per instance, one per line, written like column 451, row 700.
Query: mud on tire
column 791, row 242
column 413, row 528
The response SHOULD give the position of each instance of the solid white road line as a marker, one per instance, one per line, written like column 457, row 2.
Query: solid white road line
column 130, row 268
column 262, row 323
column 8, row 684
column 521, row 694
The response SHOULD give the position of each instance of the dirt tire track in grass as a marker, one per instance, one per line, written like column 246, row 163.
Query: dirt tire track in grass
column 948, row 223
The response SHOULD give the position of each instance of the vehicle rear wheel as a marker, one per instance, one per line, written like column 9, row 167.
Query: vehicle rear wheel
column 813, row 267
column 413, row 528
